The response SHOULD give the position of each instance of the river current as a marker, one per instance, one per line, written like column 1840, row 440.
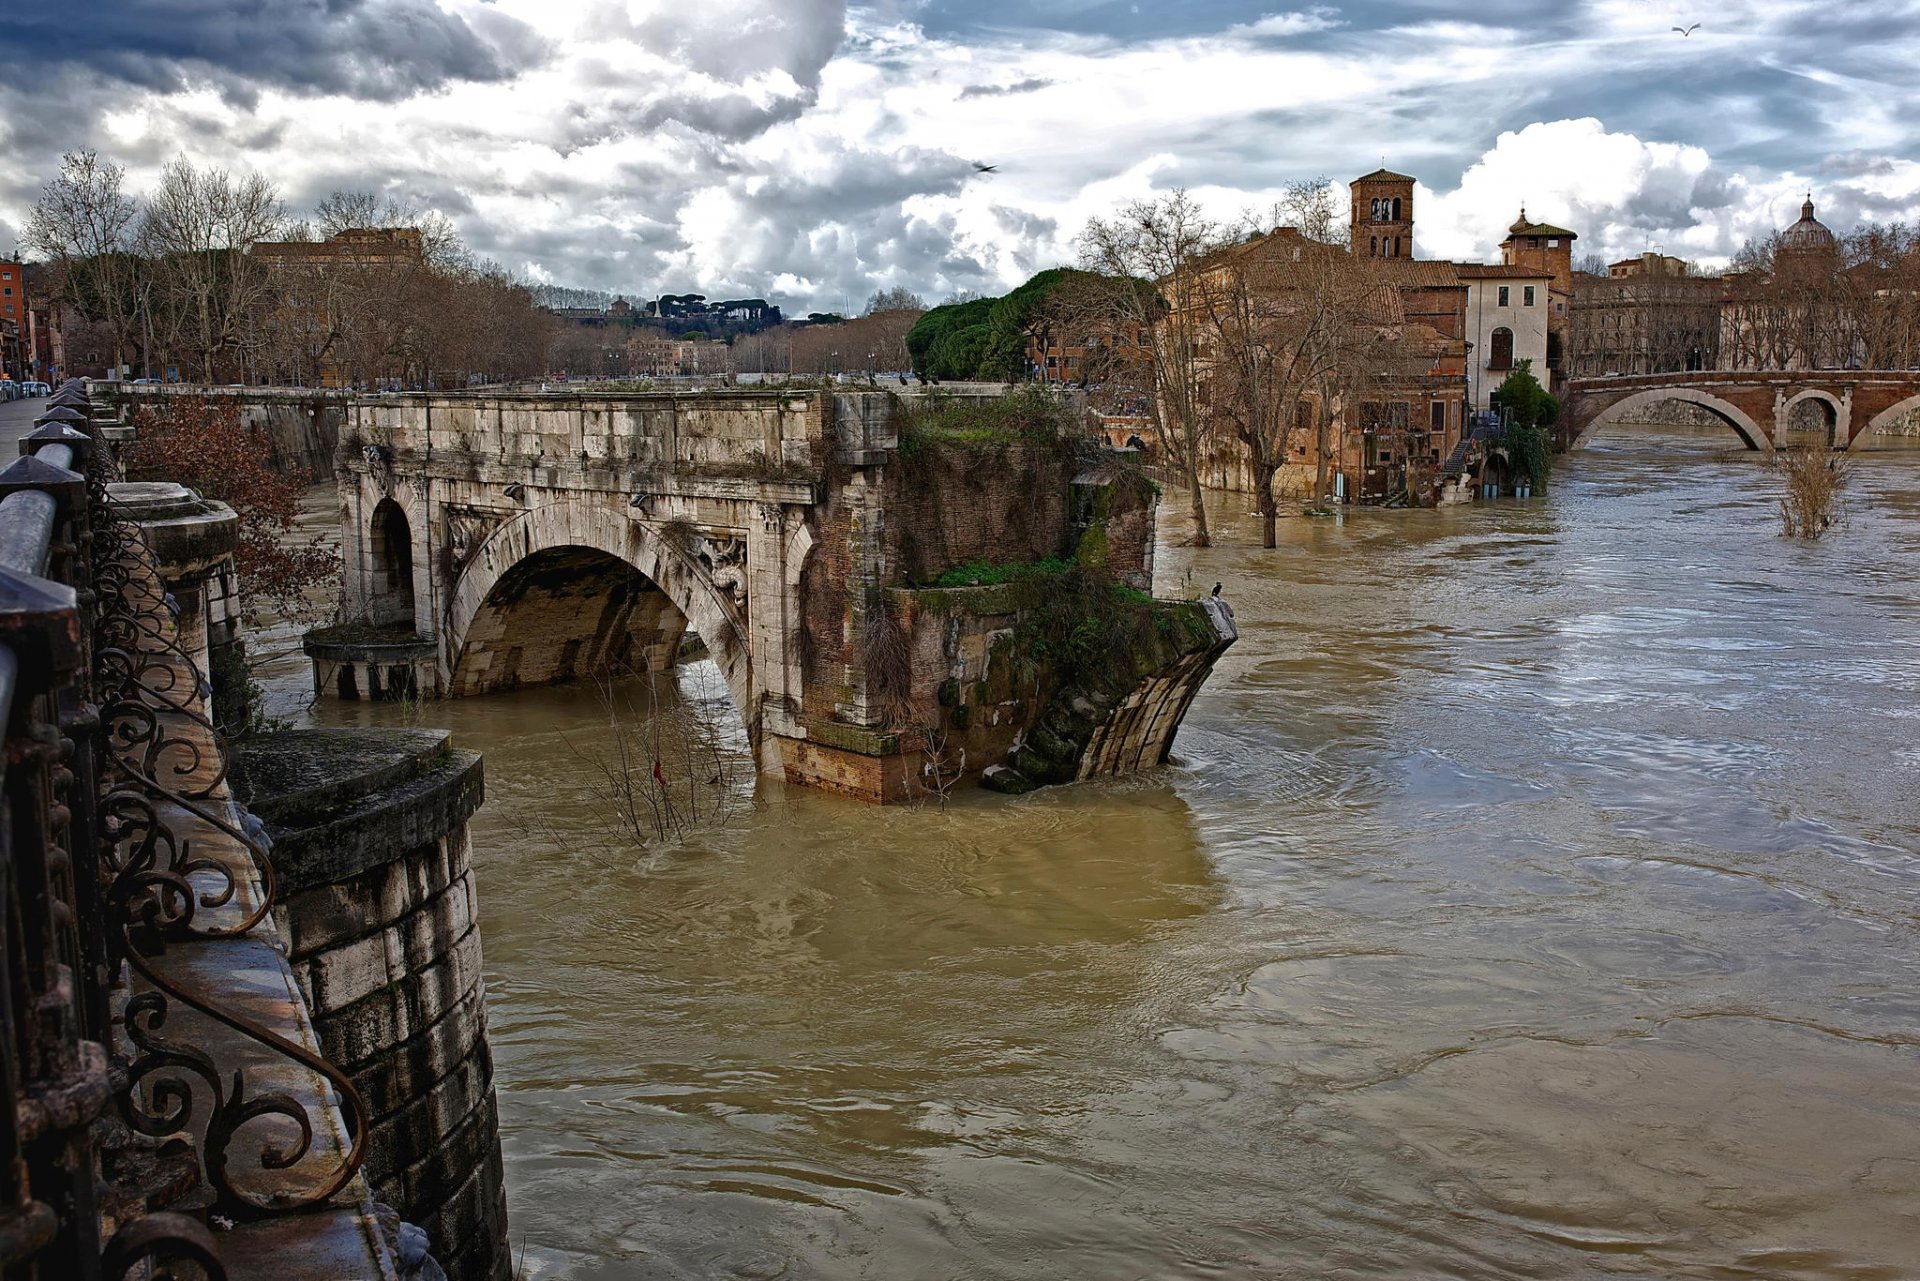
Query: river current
column 1535, row 895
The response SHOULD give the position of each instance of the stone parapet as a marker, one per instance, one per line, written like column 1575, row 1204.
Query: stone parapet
column 370, row 834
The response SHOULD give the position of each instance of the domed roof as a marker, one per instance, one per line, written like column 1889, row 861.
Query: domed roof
column 1520, row 224
column 1808, row 233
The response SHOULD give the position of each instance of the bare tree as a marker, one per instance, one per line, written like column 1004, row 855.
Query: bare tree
column 1292, row 323
column 899, row 298
column 198, row 230
column 83, row 223
column 1149, row 258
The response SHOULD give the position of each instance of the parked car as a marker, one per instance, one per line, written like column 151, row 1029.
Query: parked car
column 10, row 389
column 39, row 389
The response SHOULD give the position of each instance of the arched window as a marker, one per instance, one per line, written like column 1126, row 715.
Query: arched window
column 1373, row 246
column 1396, row 209
column 1500, row 349
column 1396, row 246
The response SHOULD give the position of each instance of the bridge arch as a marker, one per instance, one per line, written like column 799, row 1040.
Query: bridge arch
column 1834, row 419
column 1730, row 414
column 1893, row 415
column 607, row 561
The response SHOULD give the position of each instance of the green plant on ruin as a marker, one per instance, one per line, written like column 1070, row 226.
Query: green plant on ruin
column 885, row 652
column 1032, row 415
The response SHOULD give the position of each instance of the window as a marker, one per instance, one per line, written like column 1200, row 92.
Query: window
column 1553, row 242
column 1437, row 415
column 1373, row 246
column 1526, row 295
column 1506, row 296
column 1396, row 209
column 1501, row 354
column 1396, row 246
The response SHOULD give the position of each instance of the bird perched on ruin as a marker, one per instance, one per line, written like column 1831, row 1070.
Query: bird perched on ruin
column 1687, row 31
column 1216, row 589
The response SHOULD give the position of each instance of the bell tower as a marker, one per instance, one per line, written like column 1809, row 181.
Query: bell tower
column 1382, row 221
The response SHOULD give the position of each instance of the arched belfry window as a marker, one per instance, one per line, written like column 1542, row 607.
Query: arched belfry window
column 1373, row 246
column 1396, row 209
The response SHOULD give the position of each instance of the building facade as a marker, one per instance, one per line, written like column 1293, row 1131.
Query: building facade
column 1450, row 333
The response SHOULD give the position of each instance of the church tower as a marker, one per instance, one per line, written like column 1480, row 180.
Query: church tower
column 1382, row 222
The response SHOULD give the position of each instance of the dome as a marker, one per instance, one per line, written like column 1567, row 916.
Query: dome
column 1807, row 234
column 1520, row 224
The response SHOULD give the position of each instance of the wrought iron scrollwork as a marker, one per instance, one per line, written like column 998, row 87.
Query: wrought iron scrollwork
column 164, row 757
column 152, row 1246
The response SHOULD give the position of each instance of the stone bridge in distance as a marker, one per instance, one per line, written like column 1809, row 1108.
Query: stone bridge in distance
column 1857, row 409
column 495, row 541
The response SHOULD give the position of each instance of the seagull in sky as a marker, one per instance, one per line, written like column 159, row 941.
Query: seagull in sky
column 980, row 168
column 1687, row 31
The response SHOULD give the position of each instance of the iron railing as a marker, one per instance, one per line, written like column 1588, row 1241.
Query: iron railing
column 120, row 1145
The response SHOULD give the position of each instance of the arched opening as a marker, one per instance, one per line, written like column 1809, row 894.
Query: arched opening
column 390, row 551
column 1373, row 246
column 1896, row 427
column 1500, row 349
column 565, row 614
column 1675, row 412
column 1396, row 212
column 1813, row 420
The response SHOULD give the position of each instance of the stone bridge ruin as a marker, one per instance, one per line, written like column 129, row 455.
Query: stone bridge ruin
column 493, row 541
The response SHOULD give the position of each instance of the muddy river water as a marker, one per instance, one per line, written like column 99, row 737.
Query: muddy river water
column 1536, row 895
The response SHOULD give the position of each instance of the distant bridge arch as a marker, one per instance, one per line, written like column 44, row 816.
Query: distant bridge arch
column 1732, row 415
column 1759, row 404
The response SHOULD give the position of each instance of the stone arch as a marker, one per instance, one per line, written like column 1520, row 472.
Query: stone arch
column 1730, row 414
column 390, row 564
column 1835, row 418
column 594, row 527
column 1893, row 415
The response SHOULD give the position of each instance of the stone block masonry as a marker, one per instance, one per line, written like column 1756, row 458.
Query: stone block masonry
column 544, row 538
column 379, row 910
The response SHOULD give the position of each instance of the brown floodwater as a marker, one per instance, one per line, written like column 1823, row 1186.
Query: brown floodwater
column 1535, row 895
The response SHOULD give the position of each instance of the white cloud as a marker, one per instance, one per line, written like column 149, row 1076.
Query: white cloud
column 799, row 149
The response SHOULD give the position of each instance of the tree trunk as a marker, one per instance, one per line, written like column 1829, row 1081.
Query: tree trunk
column 1201, row 537
column 1269, row 508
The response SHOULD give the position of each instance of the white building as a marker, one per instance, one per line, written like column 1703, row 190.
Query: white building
column 1508, row 309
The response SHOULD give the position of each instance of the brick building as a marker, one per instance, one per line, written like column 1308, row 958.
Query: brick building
column 1459, row 329
column 16, row 336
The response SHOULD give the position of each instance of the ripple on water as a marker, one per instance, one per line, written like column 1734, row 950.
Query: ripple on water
column 1534, row 897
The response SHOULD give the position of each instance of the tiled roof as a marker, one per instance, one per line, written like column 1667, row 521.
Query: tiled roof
column 1498, row 271
column 1385, row 175
column 1416, row 272
column 1543, row 229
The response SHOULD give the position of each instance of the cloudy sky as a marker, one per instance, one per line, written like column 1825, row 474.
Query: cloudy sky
column 813, row 151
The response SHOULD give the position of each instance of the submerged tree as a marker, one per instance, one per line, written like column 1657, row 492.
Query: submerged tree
column 1150, row 257
column 1530, row 411
column 1813, row 479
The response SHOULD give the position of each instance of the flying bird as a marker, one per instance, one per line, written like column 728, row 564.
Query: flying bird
column 1687, row 31
column 980, row 168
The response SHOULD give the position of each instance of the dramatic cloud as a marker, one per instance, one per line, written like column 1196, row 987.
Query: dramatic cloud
column 371, row 49
column 813, row 152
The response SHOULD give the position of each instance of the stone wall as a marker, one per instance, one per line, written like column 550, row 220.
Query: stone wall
column 1001, row 506
column 378, row 906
